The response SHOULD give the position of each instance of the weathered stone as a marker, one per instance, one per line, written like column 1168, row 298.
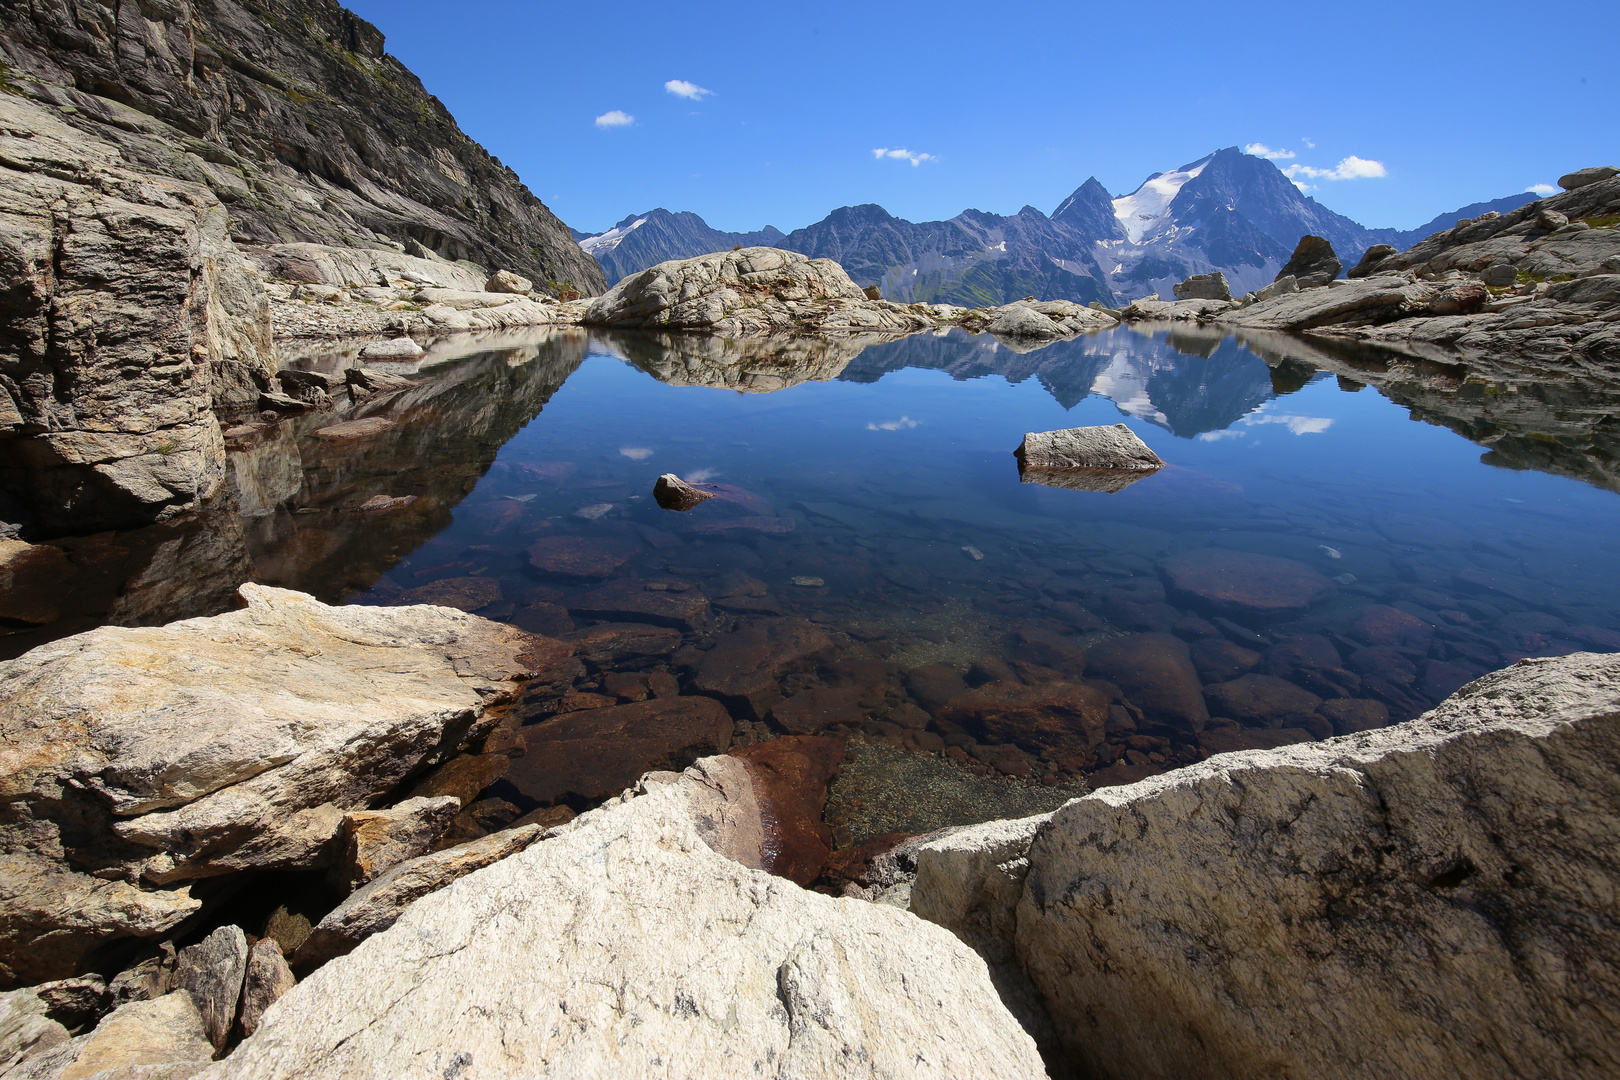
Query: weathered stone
column 268, row 977
column 375, row 841
column 579, row 556
column 211, row 971
column 817, row 707
column 1369, row 301
column 608, row 643
column 743, row 667
column 217, row 745
column 934, row 685
column 1156, row 673
column 161, row 1039
column 26, row 1031
column 462, row 593
column 1381, row 625
column 1370, row 260
column 1110, row 446
column 627, row 939
column 1405, row 957
column 1350, row 715
column 375, row 906
column 352, row 430
column 1500, row 275
column 1582, row 177
column 1262, row 701
column 1204, row 287
column 1050, row 714
column 1313, row 263
column 1219, row 660
column 634, row 601
column 1020, row 321
column 595, row 753
column 756, row 289
column 1313, row 662
column 1548, row 218
column 673, row 493
column 1243, row 583
column 32, row 579
column 400, row 348
column 790, row 777
column 504, row 281
column 1464, row 298
column 463, row 778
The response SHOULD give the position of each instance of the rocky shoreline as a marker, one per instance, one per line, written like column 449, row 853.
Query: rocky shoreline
column 664, row 929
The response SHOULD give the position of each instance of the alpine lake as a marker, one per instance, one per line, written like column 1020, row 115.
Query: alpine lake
column 1337, row 542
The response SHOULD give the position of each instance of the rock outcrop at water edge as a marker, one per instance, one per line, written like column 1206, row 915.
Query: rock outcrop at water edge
column 1390, row 903
column 627, row 945
column 136, row 761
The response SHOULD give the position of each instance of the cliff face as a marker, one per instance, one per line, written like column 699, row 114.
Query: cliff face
column 295, row 117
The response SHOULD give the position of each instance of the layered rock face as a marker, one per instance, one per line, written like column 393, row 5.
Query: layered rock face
column 128, row 319
column 627, row 945
column 297, row 118
column 137, row 761
column 1384, row 904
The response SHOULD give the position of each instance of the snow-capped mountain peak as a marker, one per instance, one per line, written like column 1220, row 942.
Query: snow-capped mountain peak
column 1145, row 210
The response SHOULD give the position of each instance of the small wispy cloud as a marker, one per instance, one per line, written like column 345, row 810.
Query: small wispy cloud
column 691, row 91
column 615, row 118
column 1217, row 436
column 636, row 453
column 1350, row 168
column 1310, row 144
column 903, row 155
column 1302, row 185
column 893, row 425
column 1256, row 149
column 1299, row 425
column 1542, row 189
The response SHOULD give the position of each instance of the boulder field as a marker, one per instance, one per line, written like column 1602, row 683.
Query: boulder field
column 1388, row 903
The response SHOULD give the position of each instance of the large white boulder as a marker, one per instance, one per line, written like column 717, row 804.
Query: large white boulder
column 1431, row 900
column 626, row 946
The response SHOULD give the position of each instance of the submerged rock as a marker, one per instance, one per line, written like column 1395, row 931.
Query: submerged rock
column 743, row 667
column 1156, row 673
column 1245, row 583
column 625, row 945
column 137, row 759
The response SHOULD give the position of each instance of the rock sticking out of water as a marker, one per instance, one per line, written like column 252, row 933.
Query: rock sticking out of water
column 673, row 493
column 1106, row 458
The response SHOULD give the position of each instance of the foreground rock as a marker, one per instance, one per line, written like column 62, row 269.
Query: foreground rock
column 137, row 760
column 757, row 290
column 673, row 493
column 1313, row 263
column 1383, row 904
column 1112, row 446
column 627, row 946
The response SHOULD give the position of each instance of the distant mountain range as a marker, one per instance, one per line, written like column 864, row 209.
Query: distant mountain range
column 1228, row 211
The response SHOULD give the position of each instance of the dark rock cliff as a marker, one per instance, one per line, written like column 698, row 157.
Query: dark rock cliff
column 295, row 117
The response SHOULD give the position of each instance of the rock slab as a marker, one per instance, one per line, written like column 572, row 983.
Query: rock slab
column 1385, row 904
column 625, row 946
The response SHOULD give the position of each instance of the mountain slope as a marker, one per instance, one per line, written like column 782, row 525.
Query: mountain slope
column 1473, row 210
column 296, row 118
column 643, row 240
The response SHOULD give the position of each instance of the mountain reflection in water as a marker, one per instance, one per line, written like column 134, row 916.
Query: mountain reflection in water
column 1309, row 561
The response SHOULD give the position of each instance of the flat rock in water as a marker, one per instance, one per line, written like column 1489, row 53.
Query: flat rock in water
column 743, row 667
column 1107, row 446
column 1155, row 672
column 1056, row 714
column 462, row 593
column 579, row 556
column 633, row 601
column 817, row 707
column 1244, row 583
column 221, row 745
column 354, row 429
column 606, row 644
column 594, row 753
column 1263, row 701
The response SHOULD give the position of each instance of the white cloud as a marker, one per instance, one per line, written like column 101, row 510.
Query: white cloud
column 1217, row 436
column 1310, row 144
column 1542, row 189
column 616, row 118
column 689, row 90
column 1303, row 186
column 903, row 155
column 1257, row 149
column 1350, row 168
column 1299, row 425
column 893, row 425
column 636, row 453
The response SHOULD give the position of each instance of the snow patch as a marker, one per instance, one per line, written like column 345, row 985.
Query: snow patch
column 1145, row 209
column 611, row 239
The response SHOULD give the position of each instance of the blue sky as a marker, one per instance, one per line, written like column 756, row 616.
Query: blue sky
column 1013, row 103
